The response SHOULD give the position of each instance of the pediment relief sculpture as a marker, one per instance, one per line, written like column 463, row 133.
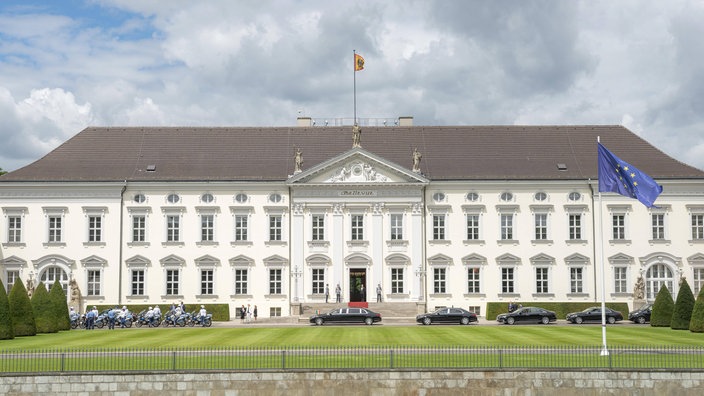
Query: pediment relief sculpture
column 357, row 172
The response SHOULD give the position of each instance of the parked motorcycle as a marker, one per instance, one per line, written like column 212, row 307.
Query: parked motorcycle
column 205, row 321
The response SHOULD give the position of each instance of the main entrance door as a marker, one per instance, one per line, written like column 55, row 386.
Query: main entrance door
column 358, row 284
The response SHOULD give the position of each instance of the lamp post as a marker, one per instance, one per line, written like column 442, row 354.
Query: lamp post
column 296, row 274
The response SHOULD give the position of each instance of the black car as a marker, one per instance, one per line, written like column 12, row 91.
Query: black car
column 593, row 314
column 347, row 315
column 447, row 315
column 527, row 315
column 641, row 315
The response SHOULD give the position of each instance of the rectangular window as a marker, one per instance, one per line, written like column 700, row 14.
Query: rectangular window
column 473, row 227
column 576, row 280
column 541, row 280
column 54, row 228
column 318, row 279
column 93, row 282
column 275, row 227
column 207, row 282
column 139, row 228
column 172, row 282
column 318, row 222
column 658, row 226
column 507, row 226
column 12, row 277
column 95, row 228
column 575, row 226
column 618, row 227
column 357, row 227
column 207, row 228
column 698, row 280
column 476, row 309
column 439, row 280
column 275, row 312
column 698, row 226
column 439, row 227
column 473, row 285
column 396, row 226
column 240, row 281
column 241, row 227
column 173, row 228
column 396, row 280
column 620, row 280
column 541, row 226
column 14, row 229
column 275, row 276
column 137, row 282
column 507, row 281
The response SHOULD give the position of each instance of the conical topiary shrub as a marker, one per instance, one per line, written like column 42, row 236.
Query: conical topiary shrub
column 696, row 324
column 21, row 311
column 6, row 330
column 44, row 314
column 662, row 309
column 683, row 308
column 58, row 300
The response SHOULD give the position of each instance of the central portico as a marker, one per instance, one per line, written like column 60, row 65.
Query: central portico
column 357, row 223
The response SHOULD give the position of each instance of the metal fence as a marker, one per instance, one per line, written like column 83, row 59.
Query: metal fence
column 390, row 358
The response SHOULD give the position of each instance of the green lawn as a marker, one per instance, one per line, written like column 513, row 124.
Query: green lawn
column 303, row 336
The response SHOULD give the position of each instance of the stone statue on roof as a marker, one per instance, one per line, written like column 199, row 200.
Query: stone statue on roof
column 356, row 136
column 416, row 160
column 298, row 159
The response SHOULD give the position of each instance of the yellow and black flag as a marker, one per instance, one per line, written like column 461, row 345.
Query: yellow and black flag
column 358, row 62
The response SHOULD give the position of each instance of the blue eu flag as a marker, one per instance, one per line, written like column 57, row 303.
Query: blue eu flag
column 618, row 176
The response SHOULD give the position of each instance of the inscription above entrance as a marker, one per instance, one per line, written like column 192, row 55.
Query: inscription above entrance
column 357, row 193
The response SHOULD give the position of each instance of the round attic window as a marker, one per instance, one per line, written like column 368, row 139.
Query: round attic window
column 173, row 198
column 540, row 196
column 507, row 197
column 575, row 196
column 140, row 198
column 241, row 198
column 472, row 197
column 275, row 198
column 207, row 198
column 438, row 197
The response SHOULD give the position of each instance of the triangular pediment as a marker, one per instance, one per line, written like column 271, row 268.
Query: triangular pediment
column 357, row 166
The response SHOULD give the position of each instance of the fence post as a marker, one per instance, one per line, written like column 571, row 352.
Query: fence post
column 391, row 358
column 283, row 359
column 173, row 360
column 501, row 358
column 63, row 363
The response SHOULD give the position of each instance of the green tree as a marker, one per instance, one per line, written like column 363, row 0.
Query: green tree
column 6, row 330
column 696, row 324
column 44, row 313
column 58, row 300
column 662, row 309
column 21, row 311
column 683, row 307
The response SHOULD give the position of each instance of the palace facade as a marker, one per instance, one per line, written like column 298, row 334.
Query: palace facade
column 278, row 216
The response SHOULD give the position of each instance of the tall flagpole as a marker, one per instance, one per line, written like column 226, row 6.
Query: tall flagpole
column 354, row 72
column 605, row 350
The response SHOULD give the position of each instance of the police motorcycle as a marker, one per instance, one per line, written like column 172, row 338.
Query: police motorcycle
column 197, row 319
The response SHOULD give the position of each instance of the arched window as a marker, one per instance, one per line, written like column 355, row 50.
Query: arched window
column 51, row 275
column 657, row 276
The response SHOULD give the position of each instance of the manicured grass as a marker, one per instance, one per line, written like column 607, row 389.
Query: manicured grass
column 312, row 336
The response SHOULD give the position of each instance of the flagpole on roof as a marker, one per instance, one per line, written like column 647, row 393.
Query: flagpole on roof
column 354, row 72
column 604, row 350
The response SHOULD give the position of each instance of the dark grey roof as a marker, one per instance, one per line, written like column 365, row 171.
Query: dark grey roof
column 267, row 154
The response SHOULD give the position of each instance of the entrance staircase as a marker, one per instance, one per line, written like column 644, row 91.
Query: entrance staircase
column 391, row 312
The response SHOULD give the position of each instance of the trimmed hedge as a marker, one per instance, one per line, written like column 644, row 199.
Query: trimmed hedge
column 696, row 324
column 683, row 308
column 561, row 309
column 21, row 311
column 44, row 313
column 662, row 309
column 6, row 330
column 221, row 312
column 60, row 306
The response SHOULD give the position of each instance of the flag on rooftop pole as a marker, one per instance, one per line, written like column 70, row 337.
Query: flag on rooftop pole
column 616, row 175
column 358, row 62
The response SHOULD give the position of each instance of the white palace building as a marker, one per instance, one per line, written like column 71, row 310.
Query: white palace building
column 272, row 216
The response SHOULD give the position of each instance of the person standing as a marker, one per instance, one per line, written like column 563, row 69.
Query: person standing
column 327, row 293
column 362, row 295
column 111, row 318
column 89, row 319
column 243, row 312
column 378, row 293
column 338, row 293
column 255, row 313
column 156, row 315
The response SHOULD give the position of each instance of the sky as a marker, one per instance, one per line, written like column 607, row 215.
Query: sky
column 66, row 65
